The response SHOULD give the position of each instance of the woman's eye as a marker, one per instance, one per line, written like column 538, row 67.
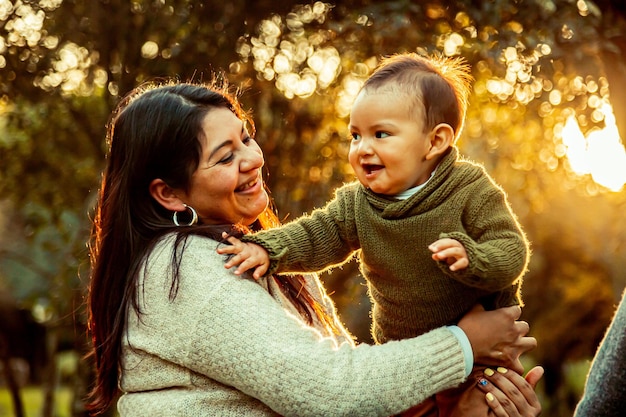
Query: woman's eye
column 381, row 135
column 226, row 159
column 247, row 140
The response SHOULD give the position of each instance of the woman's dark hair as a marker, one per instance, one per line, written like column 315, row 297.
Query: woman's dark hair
column 154, row 132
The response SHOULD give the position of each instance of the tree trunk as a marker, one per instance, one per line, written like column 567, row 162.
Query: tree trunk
column 615, row 70
column 614, row 16
column 50, row 379
column 12, row 385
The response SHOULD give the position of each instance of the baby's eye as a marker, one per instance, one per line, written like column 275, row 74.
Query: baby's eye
column 381, row 135
column 355, row 136
column 247, row 140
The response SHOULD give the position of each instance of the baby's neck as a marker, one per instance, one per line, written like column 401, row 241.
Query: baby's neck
column 408, row 193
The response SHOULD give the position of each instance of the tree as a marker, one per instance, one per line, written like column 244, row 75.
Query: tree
column 64, row 64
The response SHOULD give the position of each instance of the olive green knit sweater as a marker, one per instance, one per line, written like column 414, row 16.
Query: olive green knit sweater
column 411, row 293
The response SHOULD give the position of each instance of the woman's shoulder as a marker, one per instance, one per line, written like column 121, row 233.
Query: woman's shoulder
column 194, row 260
column 189, row 242
column 192, row 254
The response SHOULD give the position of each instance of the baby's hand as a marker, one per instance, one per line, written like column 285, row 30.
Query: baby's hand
column 246, row 255
column 451, row 251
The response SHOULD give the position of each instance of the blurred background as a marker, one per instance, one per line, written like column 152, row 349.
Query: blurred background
column 547, row 113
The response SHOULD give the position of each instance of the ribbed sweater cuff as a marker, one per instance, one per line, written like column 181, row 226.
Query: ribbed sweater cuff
column 448, row 358
column 466, row 346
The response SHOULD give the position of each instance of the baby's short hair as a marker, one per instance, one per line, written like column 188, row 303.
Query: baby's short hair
column 440, row 84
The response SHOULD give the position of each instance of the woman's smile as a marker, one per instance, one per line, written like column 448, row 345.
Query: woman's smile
column 251, row 186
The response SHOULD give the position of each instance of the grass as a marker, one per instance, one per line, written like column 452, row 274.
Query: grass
column 32, row 400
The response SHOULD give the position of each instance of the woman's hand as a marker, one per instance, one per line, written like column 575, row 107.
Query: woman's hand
column 500, row 393
column 510, row 395
column 497, row 337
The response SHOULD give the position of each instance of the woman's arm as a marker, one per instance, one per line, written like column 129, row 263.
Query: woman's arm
column 229, row 329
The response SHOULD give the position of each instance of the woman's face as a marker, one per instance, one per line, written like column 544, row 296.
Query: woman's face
column 227, row 186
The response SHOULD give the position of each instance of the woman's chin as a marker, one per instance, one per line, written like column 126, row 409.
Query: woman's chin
column 256, row 207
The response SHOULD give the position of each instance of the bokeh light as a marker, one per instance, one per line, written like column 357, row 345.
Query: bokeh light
column 601, row 154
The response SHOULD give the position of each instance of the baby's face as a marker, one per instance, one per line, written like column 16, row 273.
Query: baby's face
column 389, row 144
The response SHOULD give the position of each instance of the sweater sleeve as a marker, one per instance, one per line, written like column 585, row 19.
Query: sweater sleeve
column 312, row 243
column 496, row 246
column 604, row 393
column 231, row 330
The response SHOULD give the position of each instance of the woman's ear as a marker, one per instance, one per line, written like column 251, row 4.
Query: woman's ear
column 165, row 195
column 441, row 138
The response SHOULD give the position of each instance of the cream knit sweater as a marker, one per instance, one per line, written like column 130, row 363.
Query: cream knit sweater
column 225, row 347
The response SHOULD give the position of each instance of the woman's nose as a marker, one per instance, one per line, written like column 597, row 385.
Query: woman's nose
column 252, row 159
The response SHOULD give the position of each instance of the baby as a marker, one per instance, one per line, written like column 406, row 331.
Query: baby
column 435, row 234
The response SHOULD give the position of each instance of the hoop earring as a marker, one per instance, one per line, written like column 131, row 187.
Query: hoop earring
column 194, row 216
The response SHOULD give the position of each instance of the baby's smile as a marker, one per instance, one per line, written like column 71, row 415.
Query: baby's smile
column 371, row 168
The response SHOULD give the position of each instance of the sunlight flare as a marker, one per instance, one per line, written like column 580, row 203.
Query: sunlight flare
column 601, row 154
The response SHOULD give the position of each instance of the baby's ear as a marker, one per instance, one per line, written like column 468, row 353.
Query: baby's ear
column 166, row 195
column 441, row 138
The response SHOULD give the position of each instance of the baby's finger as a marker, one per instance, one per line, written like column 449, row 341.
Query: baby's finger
column 233, row 240
column 448, row 253
column 226, row 249
column 232, row 260
column 259, row 272
column 439, row 245
column 245, row 265
column 460, row 263
column 235, row 246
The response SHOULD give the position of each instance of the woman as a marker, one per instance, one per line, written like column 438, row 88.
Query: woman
column 184, row 336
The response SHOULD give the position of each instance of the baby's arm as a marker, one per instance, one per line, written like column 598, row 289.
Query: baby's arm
column 452, row 252
column 245, row 256
column 496, row 247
